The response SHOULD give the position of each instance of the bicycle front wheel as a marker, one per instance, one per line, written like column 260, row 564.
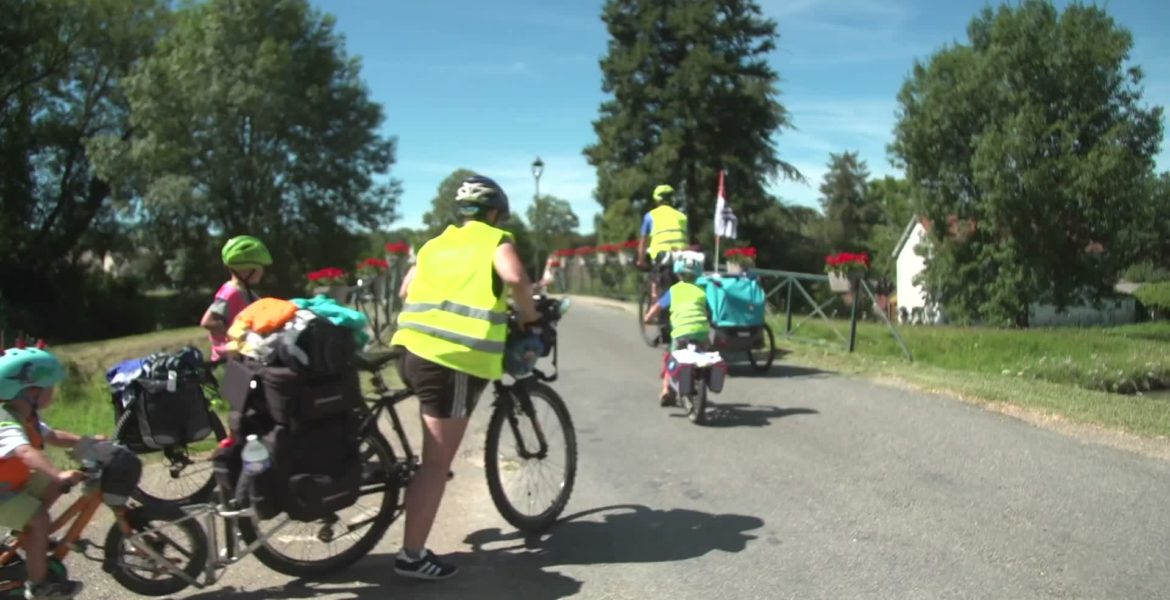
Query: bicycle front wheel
column 530, row 458
column 169, row 532
column 323, row 547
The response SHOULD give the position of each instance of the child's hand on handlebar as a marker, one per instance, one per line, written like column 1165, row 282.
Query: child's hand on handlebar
column 70, row 478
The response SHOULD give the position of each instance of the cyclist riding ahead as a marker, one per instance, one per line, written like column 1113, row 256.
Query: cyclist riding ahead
column 29, row 482
column 687, row 304
column 453, row 326
column 664, row 229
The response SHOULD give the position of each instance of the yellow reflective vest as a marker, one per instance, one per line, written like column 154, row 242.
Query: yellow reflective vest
column 668, row 230
column 452, row 315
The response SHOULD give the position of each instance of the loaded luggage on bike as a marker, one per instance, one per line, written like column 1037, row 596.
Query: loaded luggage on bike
column 158, row 401
column 299, row 400
column 736, row 304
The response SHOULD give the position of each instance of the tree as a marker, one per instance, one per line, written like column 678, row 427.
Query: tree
column 850, row 212
column 443, row 210
column 691, row 92
column 618, row 223
column 250, row 118
column 553, row 222
column 891, row 196
column 1028, row 148
column 60, row 86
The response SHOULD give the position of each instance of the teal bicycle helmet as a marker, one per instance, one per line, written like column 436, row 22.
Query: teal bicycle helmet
column 22, row 368
column 689, row 262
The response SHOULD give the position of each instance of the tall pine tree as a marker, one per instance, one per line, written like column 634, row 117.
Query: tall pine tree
column 691, row 93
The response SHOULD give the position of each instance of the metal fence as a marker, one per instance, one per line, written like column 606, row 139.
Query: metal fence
column 795, row 298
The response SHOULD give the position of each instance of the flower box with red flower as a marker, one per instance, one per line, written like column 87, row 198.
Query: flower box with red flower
column 396, row 251
column 845, row 269
column 329, row 281
column 740, row 259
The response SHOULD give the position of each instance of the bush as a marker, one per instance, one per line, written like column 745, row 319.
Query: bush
column 71, row 305
column 1155, row 296
column 1147, row 272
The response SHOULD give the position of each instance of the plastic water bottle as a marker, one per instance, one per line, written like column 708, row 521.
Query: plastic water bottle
column 255, row 456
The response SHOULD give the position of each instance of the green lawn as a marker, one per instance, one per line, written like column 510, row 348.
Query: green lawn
column 1125, row 359
column 1067, row 372
column 83, row 402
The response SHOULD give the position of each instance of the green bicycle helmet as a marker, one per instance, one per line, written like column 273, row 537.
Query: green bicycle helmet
column 663, row 194
column 22, row 368
column 245, row 251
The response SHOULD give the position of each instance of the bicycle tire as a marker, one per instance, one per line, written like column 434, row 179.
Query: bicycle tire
column 762, row 365
column 308, row 569
column 201, row 494
column 140, row 518
column 698, row 414
column 541, row 521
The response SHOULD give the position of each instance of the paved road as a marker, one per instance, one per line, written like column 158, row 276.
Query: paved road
column 806, row 485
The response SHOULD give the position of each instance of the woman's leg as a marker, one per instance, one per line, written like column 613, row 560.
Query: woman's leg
column 441, row 439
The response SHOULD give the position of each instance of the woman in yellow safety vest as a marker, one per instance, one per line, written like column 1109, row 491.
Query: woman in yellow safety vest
column 453, row 326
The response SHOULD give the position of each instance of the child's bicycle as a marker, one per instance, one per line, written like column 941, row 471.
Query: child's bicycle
column 692, row 374
column 131, row 539
column 159, row 549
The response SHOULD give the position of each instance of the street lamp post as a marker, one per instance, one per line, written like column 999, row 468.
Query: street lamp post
column 537, row 170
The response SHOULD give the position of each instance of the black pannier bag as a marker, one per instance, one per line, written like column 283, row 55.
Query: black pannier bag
column 306, row 418
column 164, row 405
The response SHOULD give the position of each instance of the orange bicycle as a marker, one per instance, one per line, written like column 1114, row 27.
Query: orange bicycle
column 132, row 542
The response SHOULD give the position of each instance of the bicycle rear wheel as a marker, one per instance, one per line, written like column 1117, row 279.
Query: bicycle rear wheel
column 184, row 474
column 323, row 547
column 520, row 499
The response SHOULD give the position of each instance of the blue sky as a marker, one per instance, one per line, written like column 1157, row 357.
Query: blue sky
column 491, row 85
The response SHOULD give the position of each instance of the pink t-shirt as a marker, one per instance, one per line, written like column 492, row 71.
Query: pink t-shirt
column 229, row 301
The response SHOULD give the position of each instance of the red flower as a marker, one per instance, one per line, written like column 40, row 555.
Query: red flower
column 584, row 250
column 747, row 253
column 633, row 244
column 841, row 260
column 375, row 264
column 327, row 276
column 397, row 248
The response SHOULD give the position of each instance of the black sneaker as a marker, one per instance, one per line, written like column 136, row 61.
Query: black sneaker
column 52, row 590
column 425, row 567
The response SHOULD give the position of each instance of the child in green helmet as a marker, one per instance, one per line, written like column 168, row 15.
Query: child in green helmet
column 245, row 258
column 687, row 303
column 29, row 482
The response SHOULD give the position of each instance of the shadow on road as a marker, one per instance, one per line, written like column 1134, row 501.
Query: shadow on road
column 750, row 415
column 511, row 565
column 746, row 371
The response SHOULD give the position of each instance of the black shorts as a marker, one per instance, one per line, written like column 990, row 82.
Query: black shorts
column 442, row 392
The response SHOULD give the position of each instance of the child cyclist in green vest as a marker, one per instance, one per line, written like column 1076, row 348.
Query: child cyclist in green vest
column 687, row 304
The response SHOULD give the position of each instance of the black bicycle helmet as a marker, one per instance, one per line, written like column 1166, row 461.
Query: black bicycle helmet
column 477, row 193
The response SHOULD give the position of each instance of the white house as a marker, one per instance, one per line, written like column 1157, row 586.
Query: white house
column 913, row 306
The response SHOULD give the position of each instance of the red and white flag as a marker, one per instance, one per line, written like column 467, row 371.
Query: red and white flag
column 725, row 220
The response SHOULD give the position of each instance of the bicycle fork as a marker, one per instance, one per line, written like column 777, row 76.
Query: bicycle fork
column 521, row 397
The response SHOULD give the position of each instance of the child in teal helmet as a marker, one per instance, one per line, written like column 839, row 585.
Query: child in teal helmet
column 687, row 303
column 29, row 482
column 245, row 258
